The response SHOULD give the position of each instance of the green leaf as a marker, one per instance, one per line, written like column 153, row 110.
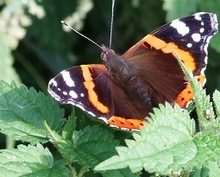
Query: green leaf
column 208, row 148
column 23, row 112
column 89, row 146
column 7, row 72
column 211, row 169
column 216, row 99
column 69, row 127
column 165, row 144
column 77, row 152
column 203, row 172
column 30, row 161
column 214, row 168
column 120, row 173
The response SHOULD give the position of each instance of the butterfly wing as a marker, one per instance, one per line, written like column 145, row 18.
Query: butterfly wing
column 90, row 88
column 155, row 56
column 153, row 60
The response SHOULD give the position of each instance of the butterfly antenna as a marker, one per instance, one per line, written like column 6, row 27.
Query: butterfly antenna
column 99, row 46
column 111, row 25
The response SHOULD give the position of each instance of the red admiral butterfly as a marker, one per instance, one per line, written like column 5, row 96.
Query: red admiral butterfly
column 125, row 89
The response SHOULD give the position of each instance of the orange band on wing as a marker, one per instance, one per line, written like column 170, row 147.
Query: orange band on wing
column 201, row 79
column 172, row 48
column 187, row 94
column 126, row 123
column 89, row 85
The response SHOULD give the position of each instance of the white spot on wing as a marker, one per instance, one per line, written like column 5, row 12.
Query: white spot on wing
column 201, row 30
column 180, row 27
column 53, row 82
column 113, row 126
column 103, row 119
column 80, row 106
column 215, row 22
column 64, row 93
column 206, row 44
column 91, row 113
column 189, row 45
column 197, row 16
column 202, row 23
column 196, row 37
column 54, row 95
column 203, row 71
column 73, row 94
column 206, row 60
column 67, row 79
column 82, row 94
column 75, row 104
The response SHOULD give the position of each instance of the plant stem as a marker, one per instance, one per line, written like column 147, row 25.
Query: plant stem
column 82, row 171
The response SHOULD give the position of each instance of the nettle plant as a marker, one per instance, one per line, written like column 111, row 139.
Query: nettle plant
column 168, row 145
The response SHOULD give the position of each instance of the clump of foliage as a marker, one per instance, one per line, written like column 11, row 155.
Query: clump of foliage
column 167, row 145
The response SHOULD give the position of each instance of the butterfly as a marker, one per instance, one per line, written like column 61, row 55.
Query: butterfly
column 124, row 89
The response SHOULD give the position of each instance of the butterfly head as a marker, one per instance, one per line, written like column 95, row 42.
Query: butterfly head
column 107, row 54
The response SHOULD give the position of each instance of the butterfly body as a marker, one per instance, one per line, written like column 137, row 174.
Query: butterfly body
column 123, row 73
column 118, row 69
column 124, row 89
